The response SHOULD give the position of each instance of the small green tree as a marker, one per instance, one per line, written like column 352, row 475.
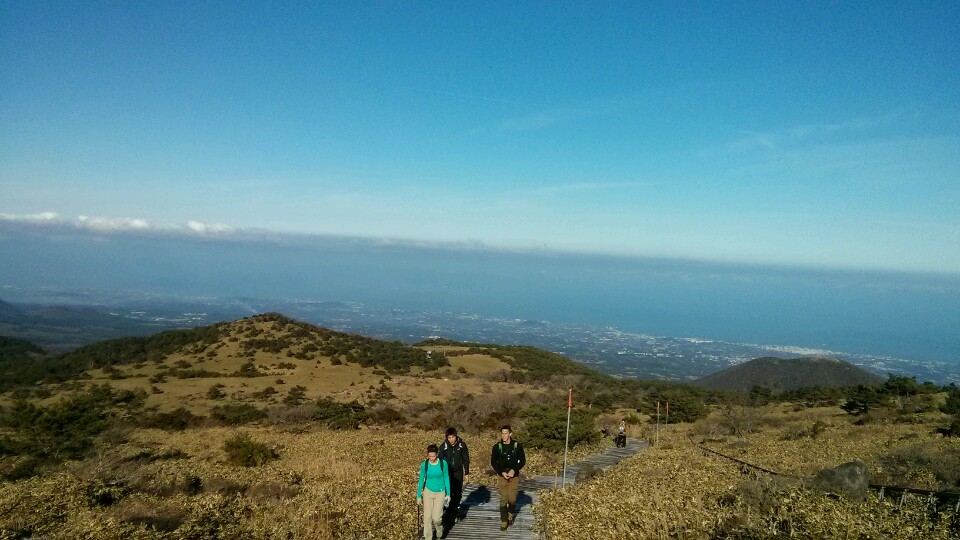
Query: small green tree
column 296, row 396
column 247, row 369
column 760, row 395
column 336, row 415
column 215, row 392
column 547, row 427
column 234, row 414
column 952, row 405
column 244, row 451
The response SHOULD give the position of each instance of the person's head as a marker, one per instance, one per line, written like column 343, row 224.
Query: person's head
column 505, row 433
column 432, row 452
column 452, row 435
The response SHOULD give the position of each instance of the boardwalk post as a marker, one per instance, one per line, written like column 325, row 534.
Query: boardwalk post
column 667, row 421
column 566, row 445
column 656, row 440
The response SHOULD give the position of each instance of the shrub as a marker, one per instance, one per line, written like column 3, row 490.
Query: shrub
column 242, row 450
column 953, row 430
column 234, row 414
column 336, row 415
column 547, row 426
column 248, row 369
column 215, row 392
column 907, row 466
column 67, row 429
column 685, row 406
column 176, row 420
column 296, row 396
column 387, row 415
column 952, row 405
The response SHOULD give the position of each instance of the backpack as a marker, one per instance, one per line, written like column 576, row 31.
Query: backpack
column 500, row 448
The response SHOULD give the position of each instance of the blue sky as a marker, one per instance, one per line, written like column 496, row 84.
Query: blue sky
column 814, row 133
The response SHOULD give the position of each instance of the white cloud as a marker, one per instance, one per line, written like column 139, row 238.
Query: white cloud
column 205, row 228
column 112, row 224
column 42, row 217
column 107, row 225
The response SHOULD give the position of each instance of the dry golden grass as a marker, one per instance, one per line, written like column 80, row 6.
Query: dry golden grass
column 677, row 491
column 326, row 484
column 478, row 364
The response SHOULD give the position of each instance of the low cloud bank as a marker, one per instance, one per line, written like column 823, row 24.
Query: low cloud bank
column 53, row 221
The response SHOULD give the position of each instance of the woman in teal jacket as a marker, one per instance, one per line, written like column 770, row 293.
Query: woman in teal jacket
column 433, row 492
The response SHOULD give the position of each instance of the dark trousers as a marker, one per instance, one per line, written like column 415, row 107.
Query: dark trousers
column 621, row 441
column 456, row 494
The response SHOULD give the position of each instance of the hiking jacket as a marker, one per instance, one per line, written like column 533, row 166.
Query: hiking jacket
column 457, row 456
column 504, row 457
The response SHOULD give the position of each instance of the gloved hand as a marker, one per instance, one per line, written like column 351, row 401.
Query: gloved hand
column 446, row 502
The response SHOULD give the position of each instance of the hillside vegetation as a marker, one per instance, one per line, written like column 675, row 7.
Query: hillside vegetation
column 18, row 350
column 267, row 427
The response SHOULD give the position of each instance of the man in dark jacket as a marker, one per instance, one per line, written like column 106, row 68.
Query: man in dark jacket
column 507, row 458
column 457, row 456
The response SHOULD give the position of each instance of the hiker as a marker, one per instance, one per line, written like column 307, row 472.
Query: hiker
column 455, row 452
column 507, row 458
column 433, row 492
column 622, row 434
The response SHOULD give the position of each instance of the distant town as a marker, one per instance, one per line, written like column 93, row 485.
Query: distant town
column 610, row 350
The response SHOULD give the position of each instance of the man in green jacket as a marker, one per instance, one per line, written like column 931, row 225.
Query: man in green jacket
column 507, row 458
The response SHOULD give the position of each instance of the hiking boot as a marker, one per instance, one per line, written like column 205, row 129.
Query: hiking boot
column 503, row 525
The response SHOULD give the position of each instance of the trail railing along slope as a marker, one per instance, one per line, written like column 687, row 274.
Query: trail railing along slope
column 933, row 497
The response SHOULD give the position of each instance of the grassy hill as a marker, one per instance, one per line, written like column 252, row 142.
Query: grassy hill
column 780, row 375
column 237, row 430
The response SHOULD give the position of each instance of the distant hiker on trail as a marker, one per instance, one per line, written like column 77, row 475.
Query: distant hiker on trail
column 433, row 492
column 507, row 458
column 454, row 451
column 622, row 434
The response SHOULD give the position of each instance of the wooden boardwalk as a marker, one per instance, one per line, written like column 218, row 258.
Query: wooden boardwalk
column 481, row 504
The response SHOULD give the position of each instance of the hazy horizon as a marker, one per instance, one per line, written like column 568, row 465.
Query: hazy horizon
column 912, row 316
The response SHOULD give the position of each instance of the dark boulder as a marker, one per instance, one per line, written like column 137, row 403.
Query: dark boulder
column 850, row 480
column 588, row 471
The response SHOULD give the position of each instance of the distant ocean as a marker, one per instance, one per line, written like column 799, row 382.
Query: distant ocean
column 902, row 315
